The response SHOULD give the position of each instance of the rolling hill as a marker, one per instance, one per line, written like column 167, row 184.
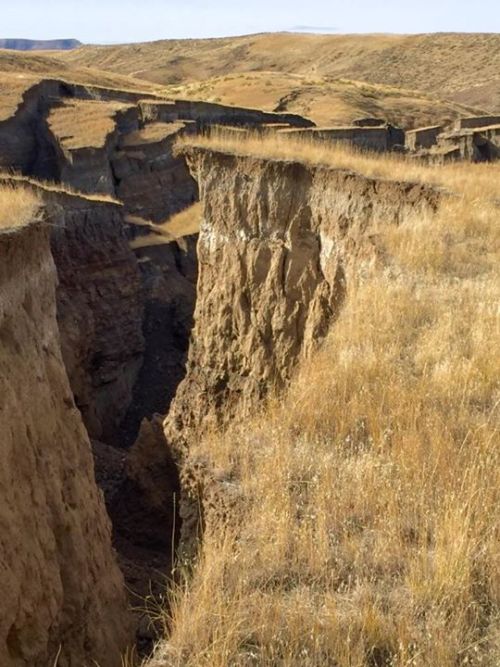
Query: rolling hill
column 325, row 100
column 460, row 67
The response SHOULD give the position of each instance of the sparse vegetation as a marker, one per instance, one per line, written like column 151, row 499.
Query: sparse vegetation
column 445, row 65
column 19, row 206
column 364, row 528
column 12, row 180
column 327, row 101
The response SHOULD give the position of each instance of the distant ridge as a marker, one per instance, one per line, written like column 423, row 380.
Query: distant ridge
column 39, row 44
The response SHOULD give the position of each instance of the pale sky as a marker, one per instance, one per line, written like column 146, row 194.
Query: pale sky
column 112, row 21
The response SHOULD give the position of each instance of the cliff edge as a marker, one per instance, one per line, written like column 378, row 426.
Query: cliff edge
column 63, row 594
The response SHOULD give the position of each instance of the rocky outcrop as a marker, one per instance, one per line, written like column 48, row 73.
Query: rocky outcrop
column 144, row 508
column 422, row 137
column 26, row 144
column 475, row 122
column 473, row 145
column 86, row 166
column 377, row 138
column 210, row 113
column 63, row 600
column 279, row 244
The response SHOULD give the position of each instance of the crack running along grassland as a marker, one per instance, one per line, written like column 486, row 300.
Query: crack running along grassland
column 366, row 530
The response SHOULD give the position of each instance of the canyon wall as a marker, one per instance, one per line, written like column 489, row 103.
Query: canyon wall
column 99, row 308
column 279, row 244
column 63, row 599
column 25, row 141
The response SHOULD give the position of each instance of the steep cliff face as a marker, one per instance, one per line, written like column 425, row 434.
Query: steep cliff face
column 62, row 592
column 150, row 180
column 169, row 283
column 99, row 308
column 24, row 145
column 279, row 244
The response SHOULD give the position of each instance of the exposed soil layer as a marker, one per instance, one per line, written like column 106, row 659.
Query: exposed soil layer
column 62, row 592
column 289, row 239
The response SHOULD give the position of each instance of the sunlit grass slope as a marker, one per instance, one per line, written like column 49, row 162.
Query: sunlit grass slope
column 325, row 100
column 448, row 65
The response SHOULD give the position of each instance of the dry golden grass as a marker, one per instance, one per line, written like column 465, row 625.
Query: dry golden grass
column 186, row 222
column 180, row 225
column 18, row 180
column 84, row 123
column 366, row 531
column 479, row 180
column 444, row 64
column 19, row 206
column 152, row 133
column 324, row 100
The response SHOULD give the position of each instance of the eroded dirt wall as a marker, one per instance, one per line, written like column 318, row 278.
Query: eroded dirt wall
column 61, row 590
column 279, row 244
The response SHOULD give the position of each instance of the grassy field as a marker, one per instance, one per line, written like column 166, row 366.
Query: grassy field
column 324, row 100
column 332, row 79
column 84, row 123
column 366, row 529
column 446, row 65
column 19, row 206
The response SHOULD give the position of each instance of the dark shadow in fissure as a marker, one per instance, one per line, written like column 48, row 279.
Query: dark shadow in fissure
column 142, row 484
column 169, row 280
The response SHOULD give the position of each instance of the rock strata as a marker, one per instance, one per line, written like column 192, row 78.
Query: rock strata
column 99, row 308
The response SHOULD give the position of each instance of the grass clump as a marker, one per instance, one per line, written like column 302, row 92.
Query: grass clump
column 19, row 206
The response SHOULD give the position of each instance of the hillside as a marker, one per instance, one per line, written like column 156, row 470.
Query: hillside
column 464, row 67
column 19, row 71
column 39, row 44
column 323, row 99
column 354, row 76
